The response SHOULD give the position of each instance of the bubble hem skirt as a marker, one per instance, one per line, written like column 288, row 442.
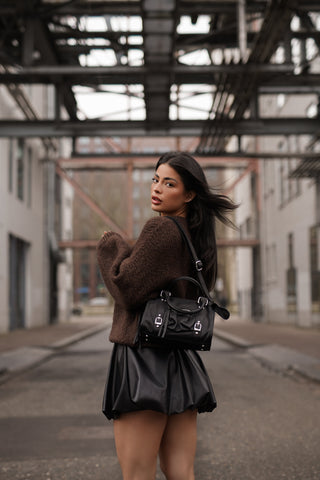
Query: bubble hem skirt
column 165, row 380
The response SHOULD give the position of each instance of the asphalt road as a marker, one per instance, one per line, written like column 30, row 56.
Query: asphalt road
column 266, row 426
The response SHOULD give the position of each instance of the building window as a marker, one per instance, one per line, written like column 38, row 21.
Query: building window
column 291, row 277
column 20, row 169
column 10, row 166
column 290, row 250
column 315, row 268
column 282, row 180
column 17, row 282
column 29, row 177
column 271, row 264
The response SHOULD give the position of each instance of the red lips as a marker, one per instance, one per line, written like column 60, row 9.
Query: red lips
column 156, row 200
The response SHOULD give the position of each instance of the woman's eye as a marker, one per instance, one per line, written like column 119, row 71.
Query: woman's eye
column 154, row 180
column 169, row 184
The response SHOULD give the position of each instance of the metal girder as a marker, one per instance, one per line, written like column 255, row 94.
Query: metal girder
column 307, row 169
column 132, row 75
column 132, row 7
column 37, row 38
column 141, row 160
column 67, row 128
column 42, row 42
column 159, row 27
column 275, row 78
column 221, row 39
column 89, row 201
column 233, row 96
column 206, row 159
column 221, row 242
column 291, row 84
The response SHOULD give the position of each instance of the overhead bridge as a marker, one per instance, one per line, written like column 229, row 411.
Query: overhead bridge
column 249, row 50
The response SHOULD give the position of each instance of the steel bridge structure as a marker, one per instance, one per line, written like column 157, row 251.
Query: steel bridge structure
column 249, row 48
column 43, row 41
column 186, row 74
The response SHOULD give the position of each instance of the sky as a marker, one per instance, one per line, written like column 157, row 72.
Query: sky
column 112, row 102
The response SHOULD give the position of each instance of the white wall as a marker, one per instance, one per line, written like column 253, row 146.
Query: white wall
column 65, row 270
column 27, row 218
column 244, row 267
column 24, row 219
column 296, row 217
column 287, row 207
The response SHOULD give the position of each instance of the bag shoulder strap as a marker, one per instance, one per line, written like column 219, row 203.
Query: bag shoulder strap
column 223, row 312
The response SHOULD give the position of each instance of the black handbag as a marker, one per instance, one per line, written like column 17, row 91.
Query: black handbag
column 173, row 322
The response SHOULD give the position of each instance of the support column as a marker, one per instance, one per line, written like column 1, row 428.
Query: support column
column 242, row 29
column 92, row 273
column 76, row 276
column 318, row 200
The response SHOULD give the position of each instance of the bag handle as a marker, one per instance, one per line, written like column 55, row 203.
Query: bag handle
column 187, row 279
column 201, row 303
column 223, row 312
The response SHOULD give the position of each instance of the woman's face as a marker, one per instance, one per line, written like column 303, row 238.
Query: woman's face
column 168, row 194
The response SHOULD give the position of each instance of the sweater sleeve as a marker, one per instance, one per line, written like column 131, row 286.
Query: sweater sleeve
column 135, row 274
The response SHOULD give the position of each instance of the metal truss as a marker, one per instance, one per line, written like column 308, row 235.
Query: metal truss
column 182, row 128
column 45, row 41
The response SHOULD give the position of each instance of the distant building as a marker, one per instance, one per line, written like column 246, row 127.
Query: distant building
column 279, row 281
column 29, row 193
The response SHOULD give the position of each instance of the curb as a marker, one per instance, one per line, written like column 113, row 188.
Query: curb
column 232, row 339
column 276, row 357
column 25, row 358
column 65, row 342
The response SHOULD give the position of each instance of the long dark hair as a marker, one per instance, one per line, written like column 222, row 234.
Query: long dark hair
column 202, row 211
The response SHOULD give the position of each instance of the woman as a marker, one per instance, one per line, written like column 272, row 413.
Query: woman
column 152, row 394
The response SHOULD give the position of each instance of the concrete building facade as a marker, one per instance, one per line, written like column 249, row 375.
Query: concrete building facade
column 288, row 258
column 29, row 258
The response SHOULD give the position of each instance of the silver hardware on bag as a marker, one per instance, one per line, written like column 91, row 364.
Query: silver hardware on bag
column 197, row 327
column 158, row 320
column 199, row 265
column 203, row 302
column 164, row 294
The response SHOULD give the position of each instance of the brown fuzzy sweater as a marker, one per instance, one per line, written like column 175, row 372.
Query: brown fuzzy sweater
column 135, row 274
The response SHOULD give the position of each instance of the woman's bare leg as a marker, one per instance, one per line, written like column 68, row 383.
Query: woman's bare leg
column 137, row 438
column 178, row 446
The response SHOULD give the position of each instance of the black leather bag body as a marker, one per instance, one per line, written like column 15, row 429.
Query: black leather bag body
column 174, row 322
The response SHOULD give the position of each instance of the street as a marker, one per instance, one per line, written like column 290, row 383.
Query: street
column 266, row 426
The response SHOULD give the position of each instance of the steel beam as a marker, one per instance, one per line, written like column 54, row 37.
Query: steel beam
column 279, row 81
column 221, row 242
column 144, row 161
column 67, row 128
column 127, row 75
column 94, row 8
column 242, row 29
column 89, row 201
column 238, row 160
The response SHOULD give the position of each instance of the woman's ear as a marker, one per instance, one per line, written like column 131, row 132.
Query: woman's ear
column 190, row 196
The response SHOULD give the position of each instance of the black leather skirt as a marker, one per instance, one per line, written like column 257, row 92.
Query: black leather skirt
column 168, row 381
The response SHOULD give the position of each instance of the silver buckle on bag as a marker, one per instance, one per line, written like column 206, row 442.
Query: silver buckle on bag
column 199, row 265
column 203, row 302
column 197, row 327
column 158, row 320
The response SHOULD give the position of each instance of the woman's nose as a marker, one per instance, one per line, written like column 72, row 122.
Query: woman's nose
column 157, row 187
